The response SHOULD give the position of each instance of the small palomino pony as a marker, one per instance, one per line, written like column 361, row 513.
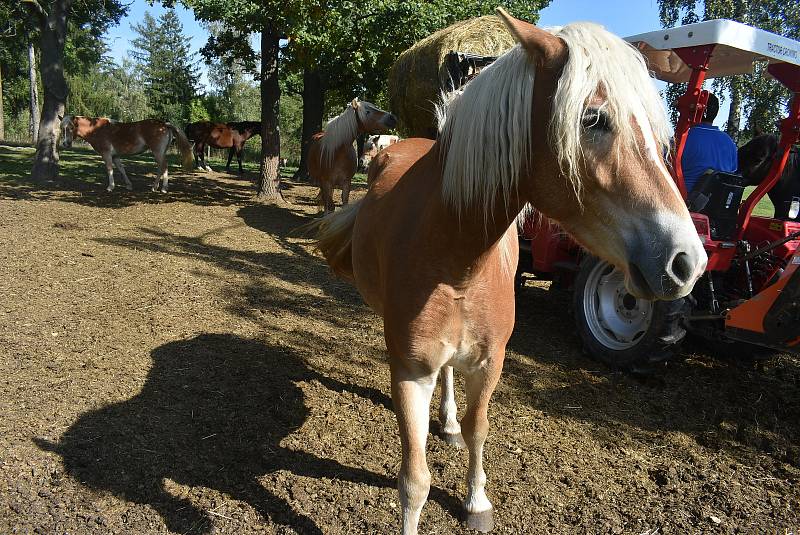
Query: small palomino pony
column 221, row 136
column 111, row 139
column 332, row 159
column 568, row 121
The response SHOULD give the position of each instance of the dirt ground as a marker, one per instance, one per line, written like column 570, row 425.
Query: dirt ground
column 181, row 363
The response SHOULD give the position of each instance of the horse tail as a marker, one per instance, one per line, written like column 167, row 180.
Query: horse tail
column 184, row 146
column 334, row 238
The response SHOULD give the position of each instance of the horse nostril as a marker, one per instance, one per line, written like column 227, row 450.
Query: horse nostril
column 682, row 267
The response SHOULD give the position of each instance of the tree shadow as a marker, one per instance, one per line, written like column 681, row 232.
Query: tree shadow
column 723, row 402
column 212, row 413
column 295, row 266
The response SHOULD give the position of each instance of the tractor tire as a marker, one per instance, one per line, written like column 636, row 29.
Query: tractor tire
column 618, row 329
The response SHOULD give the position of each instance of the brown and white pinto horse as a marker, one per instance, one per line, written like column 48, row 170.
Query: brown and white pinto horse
column 221, row 136
column 568, row 121
column 332, row 158
column 111, row 139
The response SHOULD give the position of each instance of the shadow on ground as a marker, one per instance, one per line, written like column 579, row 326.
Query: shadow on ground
column 739, row 405
column 212, row 413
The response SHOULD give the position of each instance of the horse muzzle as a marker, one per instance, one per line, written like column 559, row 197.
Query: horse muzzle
column 665, row 267
column 390, row 121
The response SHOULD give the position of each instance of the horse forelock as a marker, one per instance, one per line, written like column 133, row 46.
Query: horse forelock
column 602, row 63
column 481, row 162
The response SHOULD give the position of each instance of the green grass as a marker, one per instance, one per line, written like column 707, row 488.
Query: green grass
column 764, row 207
column 83, row 164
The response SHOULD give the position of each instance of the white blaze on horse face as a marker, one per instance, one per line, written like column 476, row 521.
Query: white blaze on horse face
column 640, row 117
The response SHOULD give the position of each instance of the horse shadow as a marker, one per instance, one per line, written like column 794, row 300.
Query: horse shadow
column 212, row 413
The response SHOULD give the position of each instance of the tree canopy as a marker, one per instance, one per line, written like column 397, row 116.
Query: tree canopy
column 167, row 66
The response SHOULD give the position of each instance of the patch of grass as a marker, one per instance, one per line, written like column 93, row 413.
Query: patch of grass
column 764, row 207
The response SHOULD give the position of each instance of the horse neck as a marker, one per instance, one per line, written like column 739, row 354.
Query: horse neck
column 87, row 127
column 476, row 232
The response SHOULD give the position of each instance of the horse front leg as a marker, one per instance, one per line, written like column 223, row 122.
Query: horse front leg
column 411, row 397
column 239, row 158
column 346, row 192
column 326, row 189
column 448, row 412
column 475, row 427
column 230, row 157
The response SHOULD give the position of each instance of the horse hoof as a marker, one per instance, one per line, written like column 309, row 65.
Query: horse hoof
column 454, row 439
column 163, row 190
column 129, row 188
column 109, row 189
column 483, row 521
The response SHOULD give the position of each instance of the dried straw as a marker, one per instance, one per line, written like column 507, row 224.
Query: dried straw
column 416, row 78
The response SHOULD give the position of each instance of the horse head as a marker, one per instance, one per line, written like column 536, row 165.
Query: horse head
column 67, row 131
column 755, row 158
column 371, row 118
column 604, row 142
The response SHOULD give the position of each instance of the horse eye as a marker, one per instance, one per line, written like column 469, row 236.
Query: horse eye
column 596, row 121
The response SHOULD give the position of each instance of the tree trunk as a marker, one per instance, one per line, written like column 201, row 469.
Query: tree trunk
column 734, row 114
column 313, row 111
column 33, row 124
column 2, row 116
column 270, row 180
column 53, row 29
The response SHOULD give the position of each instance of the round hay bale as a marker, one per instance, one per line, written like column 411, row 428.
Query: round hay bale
column 417, row 77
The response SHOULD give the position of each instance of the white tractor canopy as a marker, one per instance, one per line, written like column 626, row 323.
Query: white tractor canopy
column 738, row 46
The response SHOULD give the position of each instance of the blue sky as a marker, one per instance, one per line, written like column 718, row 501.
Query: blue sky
column 622, row 17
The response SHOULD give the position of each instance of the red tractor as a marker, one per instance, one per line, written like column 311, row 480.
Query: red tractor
column 750, row 294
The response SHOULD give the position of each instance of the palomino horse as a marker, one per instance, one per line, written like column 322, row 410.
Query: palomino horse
column 332, row 159
column 111, row 139
column 568, row 121
column 221, row 136
column 755, row 159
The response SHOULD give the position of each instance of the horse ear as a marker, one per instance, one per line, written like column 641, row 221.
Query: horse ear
column 354, row 104
column 550, row 51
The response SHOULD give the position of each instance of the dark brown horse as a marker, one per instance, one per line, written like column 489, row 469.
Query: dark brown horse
column 231, row 135
column 755, row 159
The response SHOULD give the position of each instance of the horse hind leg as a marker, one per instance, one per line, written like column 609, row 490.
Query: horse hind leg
column 118, row 164
column 450, row 428
column 411, row 397
column 160, row 154
column 165, row 181
column 475, row 427
column 109, row 162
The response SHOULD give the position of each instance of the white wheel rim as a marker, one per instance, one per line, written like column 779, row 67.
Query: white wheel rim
column 616, row 319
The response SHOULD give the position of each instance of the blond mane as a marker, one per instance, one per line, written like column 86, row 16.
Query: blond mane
column 342, row 130
column 485, row 132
